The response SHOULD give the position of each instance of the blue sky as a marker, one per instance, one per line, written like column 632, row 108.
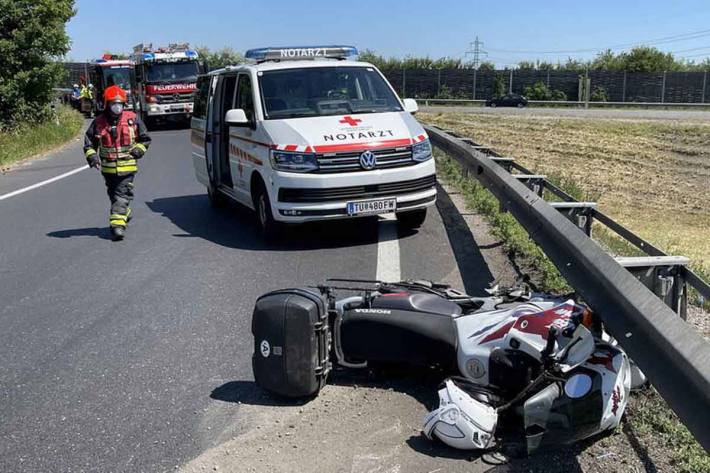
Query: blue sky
column 397, row 28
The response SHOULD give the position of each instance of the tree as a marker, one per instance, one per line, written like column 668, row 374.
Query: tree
column 607, row 61
column 648, row 59
column 32, row 39
column 487, row 66
column 527, row 66
column 219, row 58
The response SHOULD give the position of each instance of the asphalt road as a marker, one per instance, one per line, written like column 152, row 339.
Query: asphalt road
column 605, row 113
column 111, row 350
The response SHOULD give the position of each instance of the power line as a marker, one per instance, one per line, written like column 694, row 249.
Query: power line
column 662, row 40
column 690, row 49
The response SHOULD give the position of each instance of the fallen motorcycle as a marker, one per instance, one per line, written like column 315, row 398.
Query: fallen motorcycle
column 539, row 359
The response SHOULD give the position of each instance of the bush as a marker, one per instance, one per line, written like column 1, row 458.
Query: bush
column 599, row 94
column 540, row 91
column 27, row 140
column 32, row 38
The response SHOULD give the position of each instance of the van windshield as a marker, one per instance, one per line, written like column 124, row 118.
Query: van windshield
column 320, row 91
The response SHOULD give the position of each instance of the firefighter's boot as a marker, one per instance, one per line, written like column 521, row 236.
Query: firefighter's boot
column 118, row 233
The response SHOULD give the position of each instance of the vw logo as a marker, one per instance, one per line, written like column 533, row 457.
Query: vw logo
column 368, row 160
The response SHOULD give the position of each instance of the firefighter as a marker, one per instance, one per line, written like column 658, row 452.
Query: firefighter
column 114, row 143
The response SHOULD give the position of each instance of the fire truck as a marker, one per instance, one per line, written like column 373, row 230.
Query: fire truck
column 109, row 71
column 166, row 78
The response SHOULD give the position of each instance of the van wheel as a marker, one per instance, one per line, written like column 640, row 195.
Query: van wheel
column 217, row 199
column 412, row 219
column 268, row 227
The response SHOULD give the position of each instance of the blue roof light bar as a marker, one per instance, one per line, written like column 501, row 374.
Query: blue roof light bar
column 301, row 52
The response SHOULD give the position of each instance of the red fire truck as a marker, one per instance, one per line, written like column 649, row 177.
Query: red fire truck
column 166, row 78
column 109, row 71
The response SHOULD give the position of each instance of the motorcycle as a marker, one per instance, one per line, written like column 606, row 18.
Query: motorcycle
column 539, row 361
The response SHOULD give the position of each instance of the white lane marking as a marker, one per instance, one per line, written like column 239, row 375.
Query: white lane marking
column 388, row 268
column 43, row 183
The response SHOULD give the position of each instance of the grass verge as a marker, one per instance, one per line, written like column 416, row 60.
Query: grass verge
column 30, row 140
column 657, row 427
column 661, row 440
column 520, row 248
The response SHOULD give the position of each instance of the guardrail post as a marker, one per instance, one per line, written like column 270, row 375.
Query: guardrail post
column 663, row 88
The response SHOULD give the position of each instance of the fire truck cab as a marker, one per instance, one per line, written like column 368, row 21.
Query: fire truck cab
column 165, row 81
column 305, row 133
column 108, row 71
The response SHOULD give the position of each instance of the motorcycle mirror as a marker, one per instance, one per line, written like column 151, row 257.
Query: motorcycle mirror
column 577, row 350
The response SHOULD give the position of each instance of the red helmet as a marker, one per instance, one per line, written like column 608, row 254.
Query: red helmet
column 114, row 94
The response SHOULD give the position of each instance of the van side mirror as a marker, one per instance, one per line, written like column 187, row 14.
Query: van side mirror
column 410, row 105
column 236, row 117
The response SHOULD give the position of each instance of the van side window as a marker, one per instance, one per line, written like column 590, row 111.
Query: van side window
column 203, row 91
column 245, row 96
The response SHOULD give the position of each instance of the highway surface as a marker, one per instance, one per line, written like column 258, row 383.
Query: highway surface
column 111, row 351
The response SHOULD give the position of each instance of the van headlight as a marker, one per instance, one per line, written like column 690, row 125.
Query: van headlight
column 293, row 162
column 421, row 151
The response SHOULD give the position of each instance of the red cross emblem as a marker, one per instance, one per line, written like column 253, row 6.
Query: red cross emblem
column 350, row 120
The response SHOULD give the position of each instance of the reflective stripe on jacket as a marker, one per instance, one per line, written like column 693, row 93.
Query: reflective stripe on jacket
column 115, row 143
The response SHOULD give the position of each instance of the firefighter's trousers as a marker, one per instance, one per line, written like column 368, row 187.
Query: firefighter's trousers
column 120, row 191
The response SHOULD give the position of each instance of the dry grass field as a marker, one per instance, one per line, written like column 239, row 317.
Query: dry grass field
column 652, row 176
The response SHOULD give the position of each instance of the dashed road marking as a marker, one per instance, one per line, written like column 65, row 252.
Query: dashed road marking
column 43, row 183
column 388, row 264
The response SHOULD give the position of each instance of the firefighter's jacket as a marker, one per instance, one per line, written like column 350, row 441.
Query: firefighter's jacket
column 113, row 138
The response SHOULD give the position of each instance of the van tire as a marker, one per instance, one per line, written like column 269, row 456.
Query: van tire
column 217, row 199
column 412, row 219
column 269, row 228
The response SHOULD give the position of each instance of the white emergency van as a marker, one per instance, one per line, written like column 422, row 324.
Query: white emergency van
column 306, row 133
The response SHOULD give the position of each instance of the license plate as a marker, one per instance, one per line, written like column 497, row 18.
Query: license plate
column 379, row 206
column 177, row 107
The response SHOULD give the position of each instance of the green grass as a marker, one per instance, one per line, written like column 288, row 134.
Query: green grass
column 28, row 141
column 649, row 416
column 515, row 239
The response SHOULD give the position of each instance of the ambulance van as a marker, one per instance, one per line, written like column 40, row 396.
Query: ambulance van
column 306, row 133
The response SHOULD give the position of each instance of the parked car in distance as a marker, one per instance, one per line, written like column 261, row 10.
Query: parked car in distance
column 507, row 100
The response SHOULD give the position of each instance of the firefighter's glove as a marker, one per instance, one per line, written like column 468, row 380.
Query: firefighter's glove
column 92, row 159
column 137, row 151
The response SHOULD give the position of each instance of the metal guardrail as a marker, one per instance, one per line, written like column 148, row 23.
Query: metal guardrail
column 671, row 353
column 573, row 103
